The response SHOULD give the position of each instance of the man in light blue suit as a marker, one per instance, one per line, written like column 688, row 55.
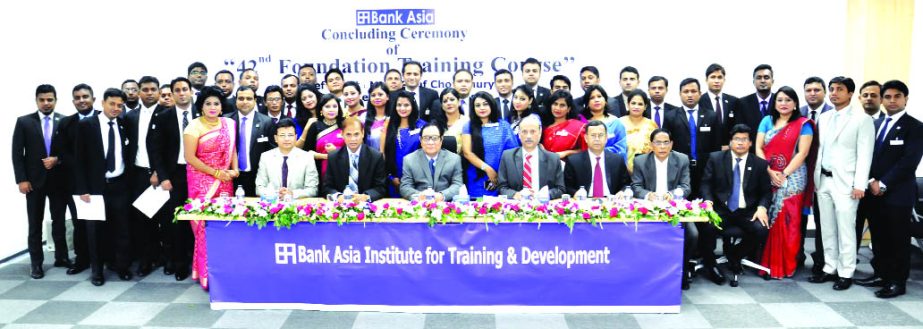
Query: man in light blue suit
column 287, row 170
column 431, row 167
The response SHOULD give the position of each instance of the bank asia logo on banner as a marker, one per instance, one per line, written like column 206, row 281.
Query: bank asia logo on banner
column 395, row 17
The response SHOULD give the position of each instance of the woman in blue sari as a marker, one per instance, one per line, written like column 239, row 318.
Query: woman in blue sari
column 401, row 137
column 484, row 139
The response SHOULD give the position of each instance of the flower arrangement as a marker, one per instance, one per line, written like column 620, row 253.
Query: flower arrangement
column 568, row 212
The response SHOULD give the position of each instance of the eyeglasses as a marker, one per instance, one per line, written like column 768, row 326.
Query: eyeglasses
column 195, row 72
column 740, row 139
column 662, row 143
column 274, row 99
column 430, row 139
column 286, row 136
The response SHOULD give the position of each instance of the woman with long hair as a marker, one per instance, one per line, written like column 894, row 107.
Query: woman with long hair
column 484, row 139
column 637, row 127
column 352, row 100
column 376, row 114
column 401, row 137
column 306, row 107
column 455, row 118
column 523, row 106
column 325, row 135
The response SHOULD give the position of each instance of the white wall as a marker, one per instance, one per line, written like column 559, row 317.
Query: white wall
column 103, row 44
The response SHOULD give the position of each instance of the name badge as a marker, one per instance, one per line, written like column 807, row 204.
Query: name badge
column 340, row 136
column 262, row 139
column 896, row 142
column 153, row 127
column 561, row 133
column 414, row 132
column 611, row 135
column 492, row 124
column 705, row 129
column 126, row 142
column 731, row 115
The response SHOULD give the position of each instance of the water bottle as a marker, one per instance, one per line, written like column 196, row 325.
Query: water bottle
column 628, row 194
column 239, row 195
column 678, row 194
column 581, row 194
column 462, row 196
column 429, row 195
column 348, row 195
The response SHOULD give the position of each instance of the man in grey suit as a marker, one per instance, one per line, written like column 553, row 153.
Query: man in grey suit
column 845, row 156
column 431, row 167
column 658, row 173
column 815, row 94
column 529, row 168
column 286, row 170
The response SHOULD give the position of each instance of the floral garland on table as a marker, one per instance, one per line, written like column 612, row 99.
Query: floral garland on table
column 495, row 211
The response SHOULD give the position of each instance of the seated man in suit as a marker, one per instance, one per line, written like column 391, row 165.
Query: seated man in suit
column 658, row 175
column 737, row 183
column 528, row 168
column 286, row 170
column 600, row 171
column 431, row 167
column 356, row 166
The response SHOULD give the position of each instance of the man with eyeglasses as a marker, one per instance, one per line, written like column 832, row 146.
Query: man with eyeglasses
column 736, row 182
column 431, row 167
column 132, row 99
column 287, row 171
column 599, row 171
column 526, row 169
column 253, row 131
column 197, row 74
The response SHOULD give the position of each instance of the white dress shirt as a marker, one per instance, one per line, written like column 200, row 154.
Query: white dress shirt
column 181, row 159
column 661, row 169
column 144, row 122
column 894, row 119
column 104, row 130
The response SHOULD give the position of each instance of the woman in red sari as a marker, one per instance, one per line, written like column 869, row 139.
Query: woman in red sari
column 786, row 139
column 564, row 134
column 212, row 165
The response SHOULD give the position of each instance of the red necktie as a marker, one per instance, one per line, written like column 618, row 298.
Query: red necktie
column 598, row 180
column 288, row 111
column 527, row 172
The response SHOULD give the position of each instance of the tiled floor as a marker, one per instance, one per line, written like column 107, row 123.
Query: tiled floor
column 61, row 301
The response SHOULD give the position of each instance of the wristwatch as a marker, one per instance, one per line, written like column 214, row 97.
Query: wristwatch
column 882, row 188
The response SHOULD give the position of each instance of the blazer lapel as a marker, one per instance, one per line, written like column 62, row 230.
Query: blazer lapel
column 343, row 162
column 747, row 169
column 610, row 170
column 652, row 168
column 846, row 117
column 517, row 163
column 423, row 159
column 727, row 159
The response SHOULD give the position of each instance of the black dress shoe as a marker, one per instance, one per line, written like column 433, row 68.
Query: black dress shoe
column 168, row 270
column 891, row 290
column 37, row 272
column 685, row 284
column 734, row 280
column 63, row 263
column 181, row 275
column 144, row 270
column 125, row 275
column 872, row 281
column 77, row 268
column 823, row 277
column 715, row 275
column 842, row 284
column 98, row 280
column 817, row 268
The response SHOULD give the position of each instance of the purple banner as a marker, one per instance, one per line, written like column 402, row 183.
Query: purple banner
column 412, row 264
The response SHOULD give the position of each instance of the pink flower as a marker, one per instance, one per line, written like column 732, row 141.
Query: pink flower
column 227, row 209
column 673, row 203
column 458, row 211
column 703, row 205
column 496, row 206
column 560, row 211
column 586, row 216
column 446, row 210
column 688, row 206
column 373, row 207
column 276, row 209
column 482, row 210
column 335, row 215
column 187, row 207
column 360, row 216
column 642, row 210
column 669, row 212
column 387, row 205
column 613, row 212
column 400, row 211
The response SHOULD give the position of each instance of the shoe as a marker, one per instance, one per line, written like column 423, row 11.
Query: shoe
column 63, row 263
column 168, row 270
column 715, row 275
column 98, row 280
column 37, row 272
column 77, row 268
column 125, row 275
column 144, row 270
column 821, row 278
column 734, row 280
column 818, row 268
column 181, row 275
column 800, row 260
column 842, row 284
column 891, row 290
column 872, row 281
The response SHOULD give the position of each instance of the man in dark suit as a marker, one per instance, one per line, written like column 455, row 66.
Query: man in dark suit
column 737, row 184
column 83, row 101
column 224, row 79
column 503, row 82
column 658, row 176
column 531, row 73
column 725, row 106
column 131, row 88
column 589, row 75
column 165, row 147
column 103, row 152
column 249, row 77
column 35, row 164
column 815, row 94
column 529, row 168
column 289, row 85
column 427, row 99
column 431, row 167
column 254, row 130
column 197, row 74
column 898, row 148
column 596, row 165
column 695, row 131
column 659, row 110
column 755, row 106
column 356, row 166
column 628, row 80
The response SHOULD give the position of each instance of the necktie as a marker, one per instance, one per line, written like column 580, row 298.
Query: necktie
column 657, row 115
column 288, row 110
column 814, row 115
column 881, row 134
column 275, row 121
column 527, row 172
column 47, row 134
column 185, row 119
column 598, row 180
column 284, row 171
column 763, row 108
column 242, row 145
column 110, row 151
column 354, row 173
column 462, row 105
column 432, row 169
column 692, row 131
column 734, row 199
column 718, row 109
column 506, row 108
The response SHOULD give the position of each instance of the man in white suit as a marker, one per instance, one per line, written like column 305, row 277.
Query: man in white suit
column 847, row 139
column 286, row 170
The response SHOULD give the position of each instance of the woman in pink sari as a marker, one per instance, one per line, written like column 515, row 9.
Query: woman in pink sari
column 325, row 136
column 786, row 140
column 212, row 165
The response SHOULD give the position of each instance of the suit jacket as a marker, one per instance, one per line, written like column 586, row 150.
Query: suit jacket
column 505, row 114
column 805, row 110
column 853, row 144
column 416, row 176
column 91, row 157
column 302, row 173
column 644, row 177
column 430, row 106
column 542, row 95
column 29, row 150
column 66, row 141
column 748, row 112
column 163, row 142
column 706, row 135
column 667, row 111
column 578, row 172
column 134, row 118
column 617, row 106
column 262, row 137
column 896, row 159
column 549, row 172
column 231, row 105
column 372, row 176
column 718, row 180
column 730, row 106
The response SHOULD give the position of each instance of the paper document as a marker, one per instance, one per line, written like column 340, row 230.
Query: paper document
column 94, row 210
column 151, row 201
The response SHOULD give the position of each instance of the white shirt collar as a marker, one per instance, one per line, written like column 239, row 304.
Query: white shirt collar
column 249, row 116
column 895, row 117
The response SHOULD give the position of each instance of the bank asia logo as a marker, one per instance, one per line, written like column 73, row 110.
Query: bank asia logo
column 395, row 17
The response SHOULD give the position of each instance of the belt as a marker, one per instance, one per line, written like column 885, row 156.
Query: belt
column 826, row 172
column 114, row 179
column 145, row 169
column 692, row 162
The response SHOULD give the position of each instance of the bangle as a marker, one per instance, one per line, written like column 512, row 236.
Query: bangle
column 216, row 173
column 483, row 166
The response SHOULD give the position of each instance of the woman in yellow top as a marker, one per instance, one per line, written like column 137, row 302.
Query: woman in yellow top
column 637, row 127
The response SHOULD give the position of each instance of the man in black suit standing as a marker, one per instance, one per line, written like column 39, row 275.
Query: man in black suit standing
column 197, row 74
column 596, row 165
column 249, row 77
column 83, row 101
column 724, row 105
column 694, row 131
column 133, row 101
column 103, row 152
column 427, row 99
column 529, row 168
column 736, row 182
column 224, row 79
column 503, row 82
column 628, row 80
column 531, row 73
column 254, row 130
column 755, row 106
column 165, row 147
column 356, row 166
column 659, row 110
column 35, row 164
column 898, row 148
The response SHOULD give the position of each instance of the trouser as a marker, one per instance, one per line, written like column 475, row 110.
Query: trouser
column 179, row 234
column 35, row 212
column 81, row 253
column 247, row 179
column 890, row 226
column 690, row 238
column 752, row 233
column 818, row 254
column 113, row 233
column 708, row 234
column 838, row 217
column 144, row 231
column 863, row 213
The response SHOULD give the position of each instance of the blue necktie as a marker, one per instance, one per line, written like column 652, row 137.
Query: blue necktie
column 881, row 134
column 734, row 199
column 47, row 135
column 692, row 131
column 284, row 171
column 432, row 168
column 657, row 115
column 242, row 145
column 763, row 108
